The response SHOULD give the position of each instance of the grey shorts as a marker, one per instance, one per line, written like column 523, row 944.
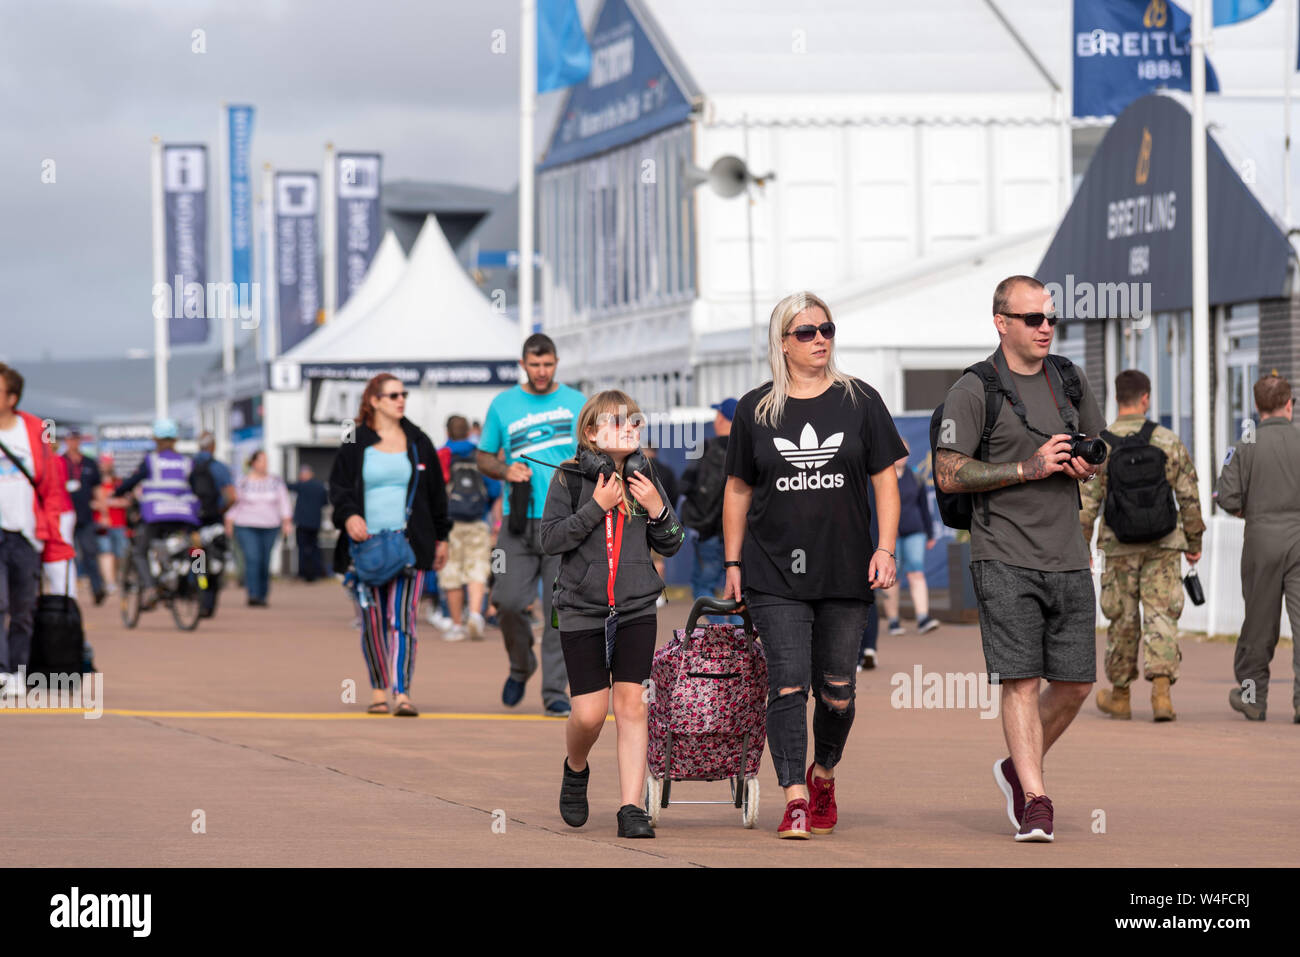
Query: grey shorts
column 1036, row 624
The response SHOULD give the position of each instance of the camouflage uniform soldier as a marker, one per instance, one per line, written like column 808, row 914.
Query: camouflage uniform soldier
column 1146, row 574
column 1260, row 482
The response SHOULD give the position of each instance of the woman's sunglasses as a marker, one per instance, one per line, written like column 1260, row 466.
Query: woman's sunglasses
column 394, row 395
column 808, row 333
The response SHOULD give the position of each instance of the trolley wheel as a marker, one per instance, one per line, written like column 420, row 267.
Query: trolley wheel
column 130, row 593
column 750, row 808
column 654, row 792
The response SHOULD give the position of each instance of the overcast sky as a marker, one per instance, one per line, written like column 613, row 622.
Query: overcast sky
column 88, row 83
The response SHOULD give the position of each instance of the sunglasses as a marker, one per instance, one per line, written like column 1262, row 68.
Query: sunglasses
column 1034, row 319
column 808, row 333
column 394, row 395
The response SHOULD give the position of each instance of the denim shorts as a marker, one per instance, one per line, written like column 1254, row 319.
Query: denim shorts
column 911, row 553
column 1036, row 624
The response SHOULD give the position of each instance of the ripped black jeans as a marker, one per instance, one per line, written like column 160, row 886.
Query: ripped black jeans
column 809, row 645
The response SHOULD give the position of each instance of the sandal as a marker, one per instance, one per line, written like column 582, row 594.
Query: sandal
column 378, row 707
column 406, row 710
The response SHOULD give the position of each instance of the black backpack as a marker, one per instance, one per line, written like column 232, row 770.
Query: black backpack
column 204, row 487
column 1139, row 502
column 956, row 509
column 702, row 509
column 466, row 491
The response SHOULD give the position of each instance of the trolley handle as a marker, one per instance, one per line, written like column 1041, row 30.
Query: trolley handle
column 708, row 606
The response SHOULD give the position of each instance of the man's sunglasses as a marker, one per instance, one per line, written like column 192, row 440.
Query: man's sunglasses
column 394, row 395
column 808, row 333
column 1033, row 319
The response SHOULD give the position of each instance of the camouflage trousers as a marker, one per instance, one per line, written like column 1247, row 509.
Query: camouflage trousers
column 1142, row 595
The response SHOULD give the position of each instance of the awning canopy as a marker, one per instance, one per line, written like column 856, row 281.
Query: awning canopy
column 1124, row 247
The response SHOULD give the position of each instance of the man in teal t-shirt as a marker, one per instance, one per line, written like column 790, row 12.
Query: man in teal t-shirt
column 538, row 420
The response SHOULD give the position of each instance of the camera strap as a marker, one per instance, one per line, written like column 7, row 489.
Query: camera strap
column 1069, row 415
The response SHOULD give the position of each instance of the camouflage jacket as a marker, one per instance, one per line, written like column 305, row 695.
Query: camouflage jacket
column 1181, row 474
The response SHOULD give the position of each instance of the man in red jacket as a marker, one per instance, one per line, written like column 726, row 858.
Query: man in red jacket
column 29, row 521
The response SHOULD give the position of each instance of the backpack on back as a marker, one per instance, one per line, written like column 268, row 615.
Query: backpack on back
column 1139, row 500
column 466, row 491
column 204, row 486
column 702, row 510
column 957, row 509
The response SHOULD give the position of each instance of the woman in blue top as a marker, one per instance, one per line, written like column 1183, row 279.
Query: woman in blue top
column 371, row 481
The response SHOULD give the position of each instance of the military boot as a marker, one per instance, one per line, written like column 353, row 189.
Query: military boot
column 1114, row 702
column 1162, row 707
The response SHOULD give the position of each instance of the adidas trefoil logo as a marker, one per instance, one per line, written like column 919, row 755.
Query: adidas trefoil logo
column 807, row 456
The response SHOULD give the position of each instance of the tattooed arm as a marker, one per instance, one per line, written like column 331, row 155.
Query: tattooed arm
column 954, row 472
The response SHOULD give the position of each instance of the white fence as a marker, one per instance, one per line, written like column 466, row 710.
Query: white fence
column 1220, row 573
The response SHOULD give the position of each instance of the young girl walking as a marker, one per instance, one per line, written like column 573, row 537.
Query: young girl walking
column 604, row 512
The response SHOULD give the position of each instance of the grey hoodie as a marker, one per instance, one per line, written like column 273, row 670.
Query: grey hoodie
column 582, row 598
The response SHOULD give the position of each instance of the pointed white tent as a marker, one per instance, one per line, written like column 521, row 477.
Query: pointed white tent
column 385, row 271
column 434, row 312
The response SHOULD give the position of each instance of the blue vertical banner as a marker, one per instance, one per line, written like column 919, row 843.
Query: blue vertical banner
column 297, row 274
column 357, row 188
column 185, row 214
column 563, row 54
column 1124, row 49
column 240, row 137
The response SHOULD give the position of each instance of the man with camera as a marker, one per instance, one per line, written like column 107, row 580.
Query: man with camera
column 1260, row 482
column 1029, row 565
column 1142, row 535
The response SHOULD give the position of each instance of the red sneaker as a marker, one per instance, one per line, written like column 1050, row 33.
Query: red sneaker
column 1004, row 773
column 1037, row 823
column 821, row 800
column 795, row 822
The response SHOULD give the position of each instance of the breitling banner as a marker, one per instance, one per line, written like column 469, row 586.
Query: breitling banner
column 1124, row 49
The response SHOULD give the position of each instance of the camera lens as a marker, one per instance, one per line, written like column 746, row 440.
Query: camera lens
column 1092, row 451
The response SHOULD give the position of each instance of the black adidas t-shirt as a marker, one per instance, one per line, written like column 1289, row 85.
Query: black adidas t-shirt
column 807, row 535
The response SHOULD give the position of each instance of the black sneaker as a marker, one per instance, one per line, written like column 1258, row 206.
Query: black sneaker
column 573, row 795
column 634, row 822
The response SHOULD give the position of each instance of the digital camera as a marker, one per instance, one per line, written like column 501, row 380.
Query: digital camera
column 1092, row 451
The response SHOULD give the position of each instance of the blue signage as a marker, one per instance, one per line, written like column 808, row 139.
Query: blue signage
column 1124, row 49
column 241, row 203
column 628, row 94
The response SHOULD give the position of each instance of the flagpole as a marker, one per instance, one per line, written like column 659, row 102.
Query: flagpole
column 527, row 107
column 1200, row 260
column 1288, row 67
column 159, row 224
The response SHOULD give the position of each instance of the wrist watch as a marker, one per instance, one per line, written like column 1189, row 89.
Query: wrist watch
column 731, row 564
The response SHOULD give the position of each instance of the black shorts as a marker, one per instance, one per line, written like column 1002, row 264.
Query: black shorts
column 1036, row 624
column 584, row 655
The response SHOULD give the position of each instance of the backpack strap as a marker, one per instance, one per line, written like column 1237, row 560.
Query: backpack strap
column 993, row 395
column 1145, row 433
column 1070, row 389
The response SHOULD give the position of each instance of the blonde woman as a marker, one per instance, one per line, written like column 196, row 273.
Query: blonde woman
column 605, row 511
column 794, row 519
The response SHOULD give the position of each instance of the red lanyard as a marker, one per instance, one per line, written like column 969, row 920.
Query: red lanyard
column 613, row 545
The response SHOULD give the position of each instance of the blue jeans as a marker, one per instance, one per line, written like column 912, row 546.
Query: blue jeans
column 809, row 645
column 708, row 575
column 257, row 545
column 86, row 542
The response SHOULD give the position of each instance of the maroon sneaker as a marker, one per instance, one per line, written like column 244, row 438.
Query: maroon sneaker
column 822, row 814
column 1004, row 773
column 795, row 822
column 1037, row 824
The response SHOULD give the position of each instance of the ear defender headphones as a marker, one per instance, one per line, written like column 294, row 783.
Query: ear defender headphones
column 594, row 464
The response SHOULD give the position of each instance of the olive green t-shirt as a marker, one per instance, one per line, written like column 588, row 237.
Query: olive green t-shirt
column 1036, row 524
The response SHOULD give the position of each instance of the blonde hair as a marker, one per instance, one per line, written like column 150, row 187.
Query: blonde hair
column 611, row 401
column 771, row 408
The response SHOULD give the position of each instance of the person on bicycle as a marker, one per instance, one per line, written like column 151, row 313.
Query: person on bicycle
column 167, row 503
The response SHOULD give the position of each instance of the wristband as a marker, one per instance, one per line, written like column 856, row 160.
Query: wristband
column 889, row 553
column 660, row 517
column 1020, row 470
column 731, row 564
